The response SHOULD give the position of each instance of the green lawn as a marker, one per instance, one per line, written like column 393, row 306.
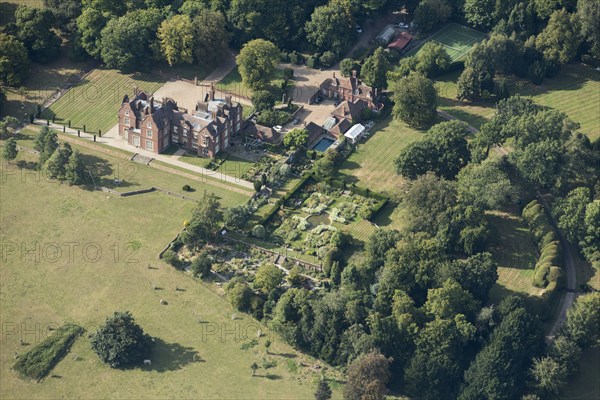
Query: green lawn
column 575, row 91
column 516, row 253
column 95, row 101
column 585, row 385
column 473, row 113
column 371, row 165
column 456, row 39
column 106, row 168
column 189, row 361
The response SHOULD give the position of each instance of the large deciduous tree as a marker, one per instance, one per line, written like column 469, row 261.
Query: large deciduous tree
column 331, row 27
column 206, row 220
column 588, row 12
column 120, row 342
column 374, row 69
column 257, row 61
column 14, row 62
column 34, row 28
column 176, row 36
column 367, row 377
column 415, row 99
column 211, row 37
column 559, row 41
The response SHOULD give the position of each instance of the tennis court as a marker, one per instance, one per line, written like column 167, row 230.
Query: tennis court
column 456, row 39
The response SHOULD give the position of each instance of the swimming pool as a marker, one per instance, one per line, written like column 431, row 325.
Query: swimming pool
column 323, row 144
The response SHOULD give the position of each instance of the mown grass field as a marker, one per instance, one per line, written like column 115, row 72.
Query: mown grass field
column 585, row 385
column 456, row 39
column 232, row 166
column 95, row 101
column 516, row 253
column 106, row 168
column 574, row 91
column 372, row 164
column 48, row 288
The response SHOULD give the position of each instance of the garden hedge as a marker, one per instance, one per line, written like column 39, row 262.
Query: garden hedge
column 547, row 272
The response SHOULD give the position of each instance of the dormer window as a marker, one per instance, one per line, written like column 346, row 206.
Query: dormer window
column 149, row 125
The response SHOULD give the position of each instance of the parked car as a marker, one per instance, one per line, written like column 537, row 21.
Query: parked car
column 278, row 128
column 403, row 25
column 296, row 121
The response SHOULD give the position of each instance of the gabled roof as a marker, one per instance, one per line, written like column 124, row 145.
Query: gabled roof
column 401, row 41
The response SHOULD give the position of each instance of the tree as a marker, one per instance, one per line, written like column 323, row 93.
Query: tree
column 347, row 65
column 129, row 42
column 268, row 277
column 583, row 320
column 590, row 243
column 56, row 166
column 559, row 41
column 443, row 150
column 296, row 138
column 588, row 12
column 449, row 300
column 176, row 36
column 254, row 367
column 367, row 377
column 323, row 391
column 432, row 60
column 256, row 62
column 379, row 244
column 430, row 13
column 476, row 274
column 480, row 13
column 549, row 377
column 331, row 27
column 263, row 100
column 14, row 62
column 473, row 84
column 485, row 185
column 34, row 28
column 120, row 342
column 539, row 163
column 201, row 265
column 10, row 151
column 75, row 172
column 210, row 36
column 323, row 168
column 375, row 68
column 236, row 217
column 415, row 100
column 65, row 13
column 205, row 221
column 295, row 278
column 239, row 295
column 48, row 145
column 89, row 25
column 571, row 213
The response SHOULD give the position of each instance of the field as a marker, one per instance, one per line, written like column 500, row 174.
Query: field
column 585, row 385
column 232, row 166
column 574, row 91
column 456, row 39
column 372, row 164
column 123, row 237
column 105, row 168
column 95, row 101
column 515, row 251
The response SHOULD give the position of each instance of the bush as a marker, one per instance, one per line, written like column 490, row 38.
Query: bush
column 187, row 188
column 328, row 59
column 556, row 274
column 273, row 117
column 288, row 73
column 239, row 295
column 201, row 266
column 259, row 231
column 285, row 57
column 539, row 277
column 170, row 257
column 311, row 62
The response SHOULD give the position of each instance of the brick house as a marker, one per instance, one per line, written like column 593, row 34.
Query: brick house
column 153, row 126
column 350, row 89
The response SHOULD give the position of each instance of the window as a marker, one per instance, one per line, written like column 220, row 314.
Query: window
column 205, row 141
column 127, row 121
column 195, row 144
column 185, row 132
column 149, row 134
column 175, row 130
column 127, row 112
column 149, row 145
column 217, row 148
column 149, row 125
column 175, row 138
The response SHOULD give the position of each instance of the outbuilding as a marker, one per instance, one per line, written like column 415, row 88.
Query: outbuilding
column 355, row 133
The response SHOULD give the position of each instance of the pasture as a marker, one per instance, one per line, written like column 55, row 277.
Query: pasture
column 371, row 165
column 456, row 39
column 94, row 101
column 123, row 236
column 106, row 168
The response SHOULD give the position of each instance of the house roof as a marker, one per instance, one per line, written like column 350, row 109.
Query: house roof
column 387, row 34
column 401, row 41
column 314, row 131
column 351, row 110
column 341, row 127
column 355, row 131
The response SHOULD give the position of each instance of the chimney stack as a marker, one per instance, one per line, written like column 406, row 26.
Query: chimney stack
column 212, row 91
column 354, row 73
column 151, row 101
column 228, row 100
column 135, row 91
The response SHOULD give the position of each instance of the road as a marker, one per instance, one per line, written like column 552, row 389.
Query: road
column 569, row 295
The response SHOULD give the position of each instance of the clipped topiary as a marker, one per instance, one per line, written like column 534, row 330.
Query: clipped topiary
column 259, row 231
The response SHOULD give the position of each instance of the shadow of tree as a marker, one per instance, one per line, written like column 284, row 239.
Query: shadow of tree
column 171, row 356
